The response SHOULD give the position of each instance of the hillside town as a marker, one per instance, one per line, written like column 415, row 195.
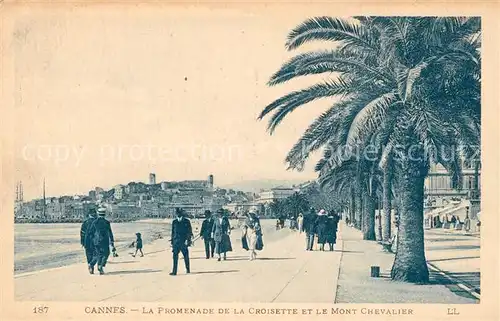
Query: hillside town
column 139, row 200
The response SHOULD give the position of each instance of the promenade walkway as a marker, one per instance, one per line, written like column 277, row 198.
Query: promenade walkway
column 283, row 272
column 356, row 286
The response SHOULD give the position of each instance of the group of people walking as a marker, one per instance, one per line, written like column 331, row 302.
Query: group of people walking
column 96, row 237
column 215, row 232
column 322, row 226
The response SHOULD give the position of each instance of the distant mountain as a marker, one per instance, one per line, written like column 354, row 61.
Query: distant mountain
column 255, row 186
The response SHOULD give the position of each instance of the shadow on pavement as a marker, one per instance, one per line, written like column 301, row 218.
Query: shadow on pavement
column 121, row 262
column 215, row 272
column 454, row 247
column 273, row 258
column 455, row 258
column 456, row 239
column 132, row 272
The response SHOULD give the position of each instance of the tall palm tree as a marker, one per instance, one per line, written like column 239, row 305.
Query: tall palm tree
column 416, row 79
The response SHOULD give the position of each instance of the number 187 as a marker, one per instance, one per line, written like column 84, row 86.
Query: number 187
column 40, row 309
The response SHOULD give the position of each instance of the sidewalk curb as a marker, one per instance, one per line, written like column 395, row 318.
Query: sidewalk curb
column 340, row 265
column 456, row 281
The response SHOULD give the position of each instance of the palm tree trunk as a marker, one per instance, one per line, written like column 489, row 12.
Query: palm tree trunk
column 476, row 180
column 386, row 204
column 410, row 264
column 352, row 206
column 359, row 208
column 368, row 217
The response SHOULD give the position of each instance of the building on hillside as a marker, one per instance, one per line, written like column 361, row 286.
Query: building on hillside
column 119, row 192
column 276, row 193
column 242, row 208
column 152, row 178
column 125, row 210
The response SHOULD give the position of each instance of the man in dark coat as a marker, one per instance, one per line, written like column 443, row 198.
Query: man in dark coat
column 182, row 235
column 220, row 233
column 310, row 228
column 86, row 242
column 206, row 234
column 101, row 236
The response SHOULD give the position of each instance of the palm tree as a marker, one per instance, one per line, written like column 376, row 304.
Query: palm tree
column 413, row 80
column 340, row 179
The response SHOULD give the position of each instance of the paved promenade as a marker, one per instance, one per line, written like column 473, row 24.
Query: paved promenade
column 356, row 286
column 456, row 254
column 283, row 272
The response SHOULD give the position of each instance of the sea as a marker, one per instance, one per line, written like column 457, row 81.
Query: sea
column 45, row 246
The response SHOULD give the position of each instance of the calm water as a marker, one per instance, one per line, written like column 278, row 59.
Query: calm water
column 42, row 246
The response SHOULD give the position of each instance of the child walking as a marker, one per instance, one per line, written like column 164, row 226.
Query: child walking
column 138, row 244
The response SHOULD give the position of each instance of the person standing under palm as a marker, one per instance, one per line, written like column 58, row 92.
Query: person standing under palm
column 310, row 228
column 321, row 228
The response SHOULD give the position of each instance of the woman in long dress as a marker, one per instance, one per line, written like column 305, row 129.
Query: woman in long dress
column 331, row 231
column 252, row 230
column 321, row 229
column 220, row 233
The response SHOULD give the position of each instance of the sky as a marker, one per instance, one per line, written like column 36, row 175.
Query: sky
column 106, row 97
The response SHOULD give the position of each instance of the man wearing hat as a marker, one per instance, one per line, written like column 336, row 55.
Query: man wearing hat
column 101, row 237
column 206, row 234
column 86, row 242
column 310, row 228
column 182, row 235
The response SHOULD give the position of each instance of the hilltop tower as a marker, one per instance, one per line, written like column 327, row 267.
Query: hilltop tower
column 152, row 178
column 210, row 181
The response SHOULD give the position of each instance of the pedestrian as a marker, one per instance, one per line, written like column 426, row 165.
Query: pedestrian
column 86, row 242
column 101, row 237
column 253, row 231
column 321, row 228
column 182, row 235
column 220, row 234
column 206, row 234
column 331, row 230
column 300, row 223
column 138, row 244
column 309, row 228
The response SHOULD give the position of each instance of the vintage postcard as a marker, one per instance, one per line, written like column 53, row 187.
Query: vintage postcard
column 249, row 160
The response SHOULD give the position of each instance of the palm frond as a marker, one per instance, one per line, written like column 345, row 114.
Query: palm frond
column 371, row 116
column 329, row 29
column 288, row 103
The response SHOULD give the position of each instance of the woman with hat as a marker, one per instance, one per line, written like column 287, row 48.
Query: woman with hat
column 253, row 232
column 321, row 229
column 220, row 234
